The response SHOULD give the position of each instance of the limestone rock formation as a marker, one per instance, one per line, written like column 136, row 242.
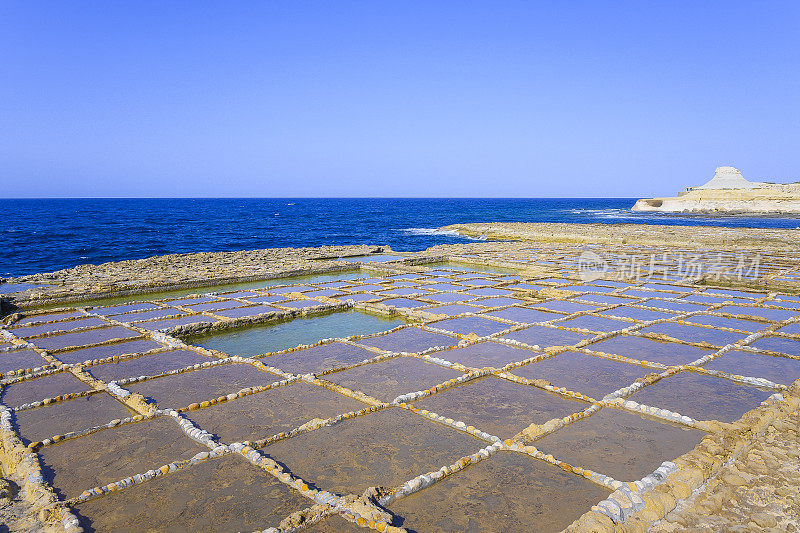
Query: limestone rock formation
column 729, row 193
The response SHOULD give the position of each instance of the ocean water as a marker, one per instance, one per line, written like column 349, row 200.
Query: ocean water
column 51, row 234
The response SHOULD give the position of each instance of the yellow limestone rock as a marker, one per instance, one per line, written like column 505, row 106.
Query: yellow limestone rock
column 314, row 423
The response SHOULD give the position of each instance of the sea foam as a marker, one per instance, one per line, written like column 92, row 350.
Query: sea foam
column 445, row 232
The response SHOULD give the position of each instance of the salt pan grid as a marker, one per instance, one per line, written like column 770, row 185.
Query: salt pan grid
column 517, row 372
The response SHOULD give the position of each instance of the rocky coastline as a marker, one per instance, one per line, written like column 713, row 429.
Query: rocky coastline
column 730, row 194
column 740, row 475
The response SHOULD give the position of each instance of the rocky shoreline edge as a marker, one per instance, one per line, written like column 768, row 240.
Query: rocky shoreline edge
column 755, row 453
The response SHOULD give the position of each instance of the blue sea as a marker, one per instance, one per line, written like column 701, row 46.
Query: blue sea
column 51, row 234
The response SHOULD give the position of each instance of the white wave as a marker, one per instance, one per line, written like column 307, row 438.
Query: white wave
column 445, row 232
column 430, row 231
column 599, row 212
column 613, row 214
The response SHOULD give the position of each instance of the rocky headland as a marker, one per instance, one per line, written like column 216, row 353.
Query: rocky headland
column 729, row 193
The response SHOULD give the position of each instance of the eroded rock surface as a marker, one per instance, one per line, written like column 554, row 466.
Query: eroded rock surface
column 760, row 490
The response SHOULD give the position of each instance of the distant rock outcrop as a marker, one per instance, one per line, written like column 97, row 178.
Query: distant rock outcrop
column 729, row 193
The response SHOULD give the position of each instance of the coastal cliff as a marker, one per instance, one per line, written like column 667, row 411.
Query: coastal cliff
column 729, row 193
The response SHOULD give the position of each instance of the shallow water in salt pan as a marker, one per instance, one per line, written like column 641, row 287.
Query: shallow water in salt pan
column 702, row 397
column 147, row 365
column 777, row 369
column 72, row 415
column 263, row 338
column 596, row 323
column 524, row 315
column 40, row 388
column 778, row 344
column 221, row 495
column 688, row 333
column 318, row 359
column 384, row 448
column 640, row 348
column 268, row 413
column 636, row 313
column 472, row 324
column 622, row 445
column 48, row 317
column 108, row 350
column 499, row 407
column 374, row 258
column 180, row 390
column 83, row 338
column 488, row 497
column 587, row 374
column 488, row 353
column 410, row 339
column 66, row 325
column 111, row 454
column 20, row 359
column 467, row 267
column 546, row 336
column 158, row 325
column 385, row 380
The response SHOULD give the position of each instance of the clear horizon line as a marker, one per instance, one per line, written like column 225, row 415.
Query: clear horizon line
column 321, row 198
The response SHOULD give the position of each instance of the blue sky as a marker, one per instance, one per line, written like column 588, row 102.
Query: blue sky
column 509, row 99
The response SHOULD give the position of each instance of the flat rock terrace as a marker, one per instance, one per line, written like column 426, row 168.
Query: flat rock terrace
column 528, row 384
